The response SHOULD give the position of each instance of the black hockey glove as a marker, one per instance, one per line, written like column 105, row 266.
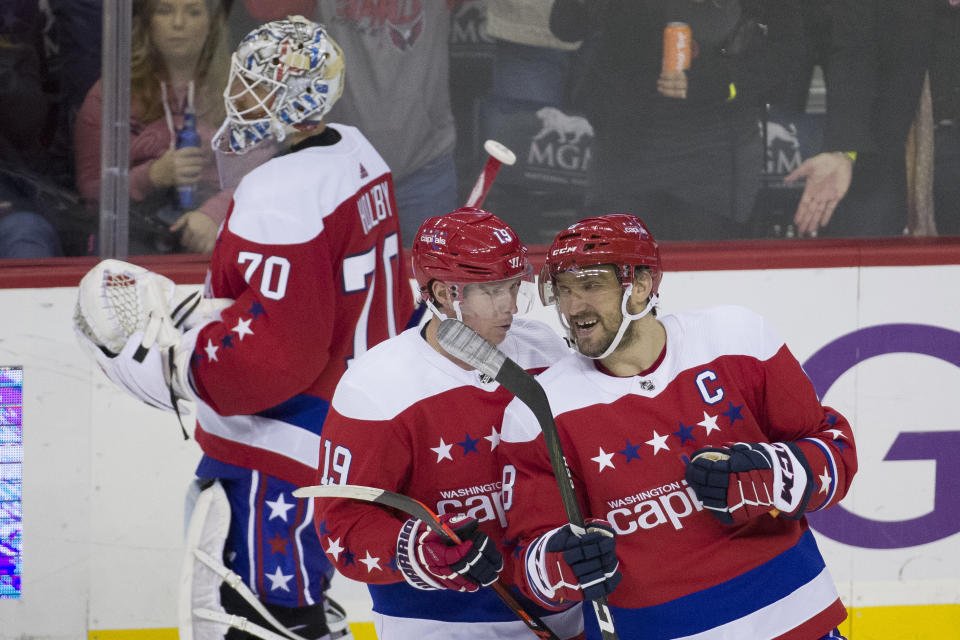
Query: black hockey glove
column 748, row 480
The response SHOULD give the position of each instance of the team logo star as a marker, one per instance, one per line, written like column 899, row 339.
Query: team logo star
column 278, row 544
column 604, row 460
column 334, row 548
column 371, row 562
column 469, row 444
column 243, row 328
column 836, row 433
column 658, row 442
column 631, row 451
column 733, row 413
column 825, row 481
column 279, row 508
column 279, row 580
column 684, row 433
column 494, row 438
column 211, row 350
column 443, row 451
column 709, row 422
column 255, row 310
column 227, row 341
column 348, row 557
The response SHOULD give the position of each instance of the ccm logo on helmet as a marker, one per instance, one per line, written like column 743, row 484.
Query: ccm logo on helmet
column 562, row 250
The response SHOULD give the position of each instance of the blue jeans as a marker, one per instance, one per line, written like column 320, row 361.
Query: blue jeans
column 24, row 234
column 429, row 191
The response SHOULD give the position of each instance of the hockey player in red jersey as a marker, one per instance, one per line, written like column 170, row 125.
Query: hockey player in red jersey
column 410, row 418
column 310, row 252
column 682, row 433
column 308, row 273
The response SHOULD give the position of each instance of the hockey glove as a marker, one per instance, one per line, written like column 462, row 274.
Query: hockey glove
column 428, row 561
column 562, row 566
column 748, row 480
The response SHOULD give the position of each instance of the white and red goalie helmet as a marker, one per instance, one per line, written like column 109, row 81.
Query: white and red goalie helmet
column 283, row 74
column 618, row 239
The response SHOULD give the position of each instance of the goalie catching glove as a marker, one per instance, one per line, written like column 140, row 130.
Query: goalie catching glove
column 429, row 561
column 748, row 480
column 126, row 318
column 564, row 566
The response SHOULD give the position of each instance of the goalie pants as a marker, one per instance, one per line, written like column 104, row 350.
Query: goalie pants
column 272, row 542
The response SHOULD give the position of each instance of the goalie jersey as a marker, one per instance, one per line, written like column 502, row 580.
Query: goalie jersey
column 723, row 377
column 310, row 253
column 407, row 419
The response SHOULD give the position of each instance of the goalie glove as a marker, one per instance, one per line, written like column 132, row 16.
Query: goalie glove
column 564, row 566
column 153, row 371
column 748, row 480
column 429, row 561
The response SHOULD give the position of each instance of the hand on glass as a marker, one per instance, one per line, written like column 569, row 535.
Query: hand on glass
column 828, row 178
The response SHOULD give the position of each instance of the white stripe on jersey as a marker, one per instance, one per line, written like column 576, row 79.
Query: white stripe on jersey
column 268, row 434
column 382, row 384
column 296, row 172
column 693, row 339
column 251, row 529
column 779, row 617
column 565, row 624
column 298, row 537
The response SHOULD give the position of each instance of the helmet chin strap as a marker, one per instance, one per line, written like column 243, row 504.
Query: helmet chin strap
column 443, row 316
column 627, row 319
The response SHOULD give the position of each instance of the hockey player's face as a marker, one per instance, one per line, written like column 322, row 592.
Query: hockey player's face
column 488, row 308
column 589, row 300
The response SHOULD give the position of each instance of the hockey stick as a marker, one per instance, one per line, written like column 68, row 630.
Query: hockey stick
column 499, row 155
column 419, row 510
column 463, row 343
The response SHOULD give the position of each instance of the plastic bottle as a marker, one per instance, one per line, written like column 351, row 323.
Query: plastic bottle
column 187, row 136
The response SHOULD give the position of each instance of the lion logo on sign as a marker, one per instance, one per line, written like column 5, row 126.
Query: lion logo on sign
column 569, row 129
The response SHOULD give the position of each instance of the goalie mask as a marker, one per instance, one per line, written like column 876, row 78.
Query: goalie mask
column 283, row 74
column 620, row 240
column 479, row 259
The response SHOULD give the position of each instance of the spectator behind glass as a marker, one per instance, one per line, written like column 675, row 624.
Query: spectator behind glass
column 398, row 93
column 24, row 231
column 878, row 53
column 177, row 45
column 683, row 149
column 530, row 62
column 945, row 89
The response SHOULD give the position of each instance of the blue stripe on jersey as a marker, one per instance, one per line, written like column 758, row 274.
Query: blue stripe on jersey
column 306, row 412
column 721, row 603
column 212, row 468
column 401, row 600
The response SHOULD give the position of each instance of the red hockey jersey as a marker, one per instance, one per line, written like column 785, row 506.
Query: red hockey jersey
column 310, row 253
column 724, row 378
column 409, row 420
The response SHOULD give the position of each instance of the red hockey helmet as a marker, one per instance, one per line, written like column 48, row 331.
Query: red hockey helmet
column 619, row 239
column 467, row 245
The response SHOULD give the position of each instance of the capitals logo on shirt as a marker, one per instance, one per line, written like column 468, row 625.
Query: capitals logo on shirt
column 399, row 22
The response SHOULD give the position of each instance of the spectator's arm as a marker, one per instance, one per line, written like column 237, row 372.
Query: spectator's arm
column 851, row 76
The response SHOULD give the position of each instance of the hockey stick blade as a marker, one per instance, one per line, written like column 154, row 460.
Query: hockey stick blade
column 421, row 511
column 464, row 343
